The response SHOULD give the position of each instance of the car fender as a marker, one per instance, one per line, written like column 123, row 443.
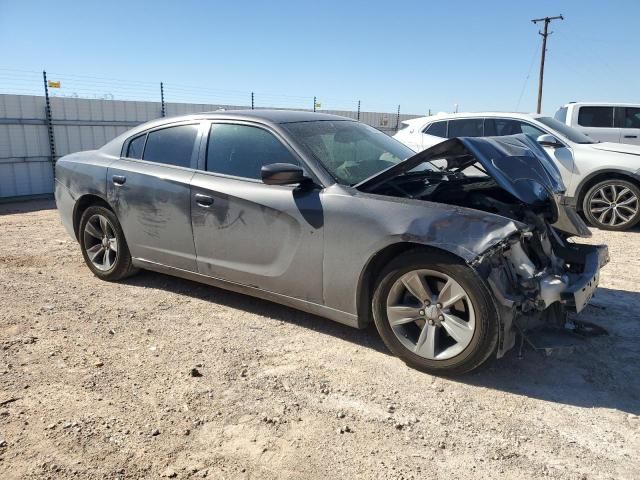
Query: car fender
column 381, row 221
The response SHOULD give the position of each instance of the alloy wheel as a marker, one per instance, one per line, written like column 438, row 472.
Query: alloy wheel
column 613, row 205
column 100, row 242
column 431, row 314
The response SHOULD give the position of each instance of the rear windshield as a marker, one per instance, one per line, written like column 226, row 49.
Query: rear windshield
column 561, row 115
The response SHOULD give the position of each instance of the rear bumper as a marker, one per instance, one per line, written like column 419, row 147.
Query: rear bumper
column 578, row 293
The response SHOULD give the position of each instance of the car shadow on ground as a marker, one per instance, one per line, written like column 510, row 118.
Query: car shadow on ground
column 366, row 338
column 602, row 373
column 10, row 207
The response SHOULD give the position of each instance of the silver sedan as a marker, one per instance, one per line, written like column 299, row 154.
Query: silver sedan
column 450, row 252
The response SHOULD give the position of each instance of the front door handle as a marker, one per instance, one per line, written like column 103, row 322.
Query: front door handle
column 204, row 200
column 631, row 136
column 119, row 180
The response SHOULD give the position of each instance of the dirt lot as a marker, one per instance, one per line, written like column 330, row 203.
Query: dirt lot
column 96, row 382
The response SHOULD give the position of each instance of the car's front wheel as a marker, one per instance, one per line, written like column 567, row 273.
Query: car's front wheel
column 612, row 205
column 103, row 245
column 435, row 313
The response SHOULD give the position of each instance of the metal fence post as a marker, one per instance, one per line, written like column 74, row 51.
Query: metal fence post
column 163, row 111
column 52, row 139
column 358, row 110
column 251, row 100
column 398, row 118
column 314, row 103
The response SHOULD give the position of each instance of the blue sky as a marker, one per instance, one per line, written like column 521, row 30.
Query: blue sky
column 482, row 55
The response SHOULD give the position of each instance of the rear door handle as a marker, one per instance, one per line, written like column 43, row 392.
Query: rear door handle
column 119, row 179
column 204, row 200
column 631, row 136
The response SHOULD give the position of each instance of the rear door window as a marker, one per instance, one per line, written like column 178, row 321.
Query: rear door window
column 632, row 117
column 470, row 127
column 437, row 129
column 601, row 117
column 136, row 146
column 171, row 145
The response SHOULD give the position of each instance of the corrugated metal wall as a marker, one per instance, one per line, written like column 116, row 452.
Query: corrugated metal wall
column 85, row 124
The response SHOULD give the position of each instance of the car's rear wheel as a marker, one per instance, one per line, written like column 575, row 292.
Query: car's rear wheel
column 103, row 245
column 435, row 313
column 612, row 205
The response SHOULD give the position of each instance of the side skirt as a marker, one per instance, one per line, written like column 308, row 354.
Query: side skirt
column 309, row 307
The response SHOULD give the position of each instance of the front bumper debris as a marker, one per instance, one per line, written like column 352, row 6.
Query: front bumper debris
column 529, row 299
column 580, row 291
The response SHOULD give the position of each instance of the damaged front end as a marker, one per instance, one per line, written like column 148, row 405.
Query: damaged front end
column 537, row 276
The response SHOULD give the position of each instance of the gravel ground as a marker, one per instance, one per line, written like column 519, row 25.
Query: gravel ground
column 159, row 376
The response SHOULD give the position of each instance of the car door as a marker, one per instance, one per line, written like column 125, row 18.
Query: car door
column 247, row 232
column 598, row 122
column 630, row 131
column 149, row 188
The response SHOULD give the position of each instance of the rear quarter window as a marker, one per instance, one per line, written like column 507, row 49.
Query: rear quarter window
column 437, row 129
column 136, row 147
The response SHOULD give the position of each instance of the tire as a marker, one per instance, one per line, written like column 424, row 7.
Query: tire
column 100, row 228
column 612, row 205
column 475, row 311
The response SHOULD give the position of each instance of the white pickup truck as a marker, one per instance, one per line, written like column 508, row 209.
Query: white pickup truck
column 604, row 122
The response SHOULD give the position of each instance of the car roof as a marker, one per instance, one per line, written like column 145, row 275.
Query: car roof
column 268, row 115
column 602, row 104
column 452, row 116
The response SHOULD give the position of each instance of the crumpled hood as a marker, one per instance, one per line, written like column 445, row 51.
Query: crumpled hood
column 516, row 162
column 617, row 147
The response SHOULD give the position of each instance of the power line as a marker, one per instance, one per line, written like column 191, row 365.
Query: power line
column 545, row 34
column 526, row 80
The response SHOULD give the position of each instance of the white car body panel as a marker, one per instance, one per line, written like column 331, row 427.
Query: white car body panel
column 577, row 162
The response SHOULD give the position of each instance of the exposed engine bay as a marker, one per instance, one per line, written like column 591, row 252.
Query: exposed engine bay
column 537, row 276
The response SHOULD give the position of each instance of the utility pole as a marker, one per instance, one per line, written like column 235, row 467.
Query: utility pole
column 545, row 34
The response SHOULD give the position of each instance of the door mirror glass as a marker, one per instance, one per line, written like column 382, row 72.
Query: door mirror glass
column 282, row 174
column 547, row 140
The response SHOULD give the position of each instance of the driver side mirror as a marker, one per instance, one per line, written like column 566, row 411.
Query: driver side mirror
column 282, row 174
column 549, row 141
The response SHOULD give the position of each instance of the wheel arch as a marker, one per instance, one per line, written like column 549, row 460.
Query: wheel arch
column 602, row 175
column 372, row 269
column 84, row 202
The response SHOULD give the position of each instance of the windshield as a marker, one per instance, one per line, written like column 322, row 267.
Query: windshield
column 565, row 131
column 350, row 151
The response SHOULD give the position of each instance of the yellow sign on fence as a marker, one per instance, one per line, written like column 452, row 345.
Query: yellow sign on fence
column 53, row 84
